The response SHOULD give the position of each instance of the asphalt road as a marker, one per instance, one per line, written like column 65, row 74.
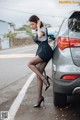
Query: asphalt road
column 13, row 75
column 13, row 64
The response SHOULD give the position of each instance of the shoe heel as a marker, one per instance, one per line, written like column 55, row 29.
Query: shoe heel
column 39, row 103
column 47, row 87
column 44, row 104
column 48, row 83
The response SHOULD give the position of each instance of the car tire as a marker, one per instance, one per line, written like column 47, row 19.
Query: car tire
column 60, row 99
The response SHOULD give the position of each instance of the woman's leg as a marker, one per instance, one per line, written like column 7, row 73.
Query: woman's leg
column 41, row 68
column 32, row 65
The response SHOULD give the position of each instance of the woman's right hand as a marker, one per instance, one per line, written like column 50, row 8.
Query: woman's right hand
column 38, row 23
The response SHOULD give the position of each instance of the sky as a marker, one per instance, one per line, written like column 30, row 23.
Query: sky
column 49, row 11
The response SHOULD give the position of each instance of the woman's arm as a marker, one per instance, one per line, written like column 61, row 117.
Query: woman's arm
column 40, row 33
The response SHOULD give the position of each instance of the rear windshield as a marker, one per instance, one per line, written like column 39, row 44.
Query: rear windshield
column 74, row 22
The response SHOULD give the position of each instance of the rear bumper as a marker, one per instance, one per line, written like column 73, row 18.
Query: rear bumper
column 66, row 87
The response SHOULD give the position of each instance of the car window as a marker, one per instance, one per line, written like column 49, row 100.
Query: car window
column 74, row 25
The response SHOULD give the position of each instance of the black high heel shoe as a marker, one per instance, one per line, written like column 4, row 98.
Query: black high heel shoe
column 48, row 83
column 49, row 78
column 39, row 103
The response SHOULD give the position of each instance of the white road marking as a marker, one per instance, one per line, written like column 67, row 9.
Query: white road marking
column 17, row 102
column 16, row 55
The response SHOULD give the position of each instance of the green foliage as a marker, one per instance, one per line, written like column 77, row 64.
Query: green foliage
column 27, row 29
column 10, row 35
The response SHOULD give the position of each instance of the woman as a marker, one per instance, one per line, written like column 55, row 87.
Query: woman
column 43, row 55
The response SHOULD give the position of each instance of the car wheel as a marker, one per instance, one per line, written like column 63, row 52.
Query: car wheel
column 60, row 99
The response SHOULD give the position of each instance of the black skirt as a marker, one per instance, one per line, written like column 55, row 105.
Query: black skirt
column 44, row 51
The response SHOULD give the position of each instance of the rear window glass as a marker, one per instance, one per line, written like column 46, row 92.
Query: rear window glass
column 74, row 22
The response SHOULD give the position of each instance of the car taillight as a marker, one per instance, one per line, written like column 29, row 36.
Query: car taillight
column 70, row 77
column 67, row 42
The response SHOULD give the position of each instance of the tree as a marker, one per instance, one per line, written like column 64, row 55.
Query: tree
column 10, row 35
column 27, row 29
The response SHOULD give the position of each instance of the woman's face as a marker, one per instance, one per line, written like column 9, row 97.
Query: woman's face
column 33, row 25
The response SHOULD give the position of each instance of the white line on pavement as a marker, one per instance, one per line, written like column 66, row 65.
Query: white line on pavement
column 17, row 102
column 17, row 55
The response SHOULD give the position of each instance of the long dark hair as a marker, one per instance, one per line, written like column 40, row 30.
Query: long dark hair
column 34, row 18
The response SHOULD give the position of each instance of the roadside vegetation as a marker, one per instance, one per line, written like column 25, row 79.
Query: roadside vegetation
column 21, row 41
